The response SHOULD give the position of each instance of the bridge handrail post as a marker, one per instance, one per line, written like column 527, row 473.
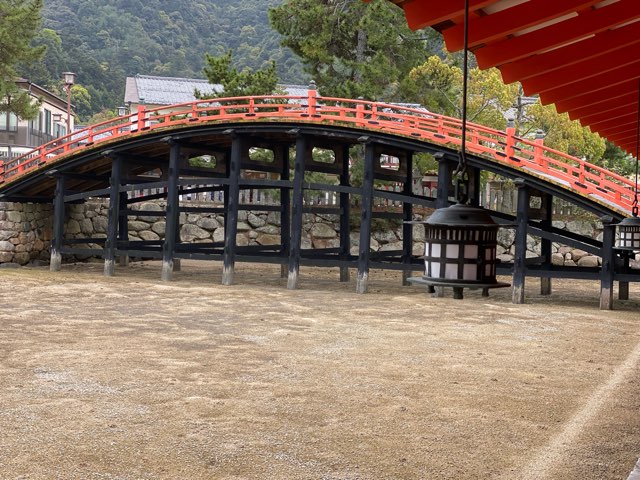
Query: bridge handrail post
column 510, row 140
column 312, row 93
column 538, row 152
column 359, row 110
column 140, row 119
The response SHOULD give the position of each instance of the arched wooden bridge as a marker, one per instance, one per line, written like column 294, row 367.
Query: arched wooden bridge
column 153, row 148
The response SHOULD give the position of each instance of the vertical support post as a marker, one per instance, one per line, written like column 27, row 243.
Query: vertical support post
column 608, row 263
column 519, row 265
column 474, row 186
column 172, row 212
column 345, row 210
column 444, row 181
column 285, row 212
column 232, row 204
column 296, row 211
column 123, row 228
column 114, row 216
column 623, row 287
column 365, row 219
column 545, row 244
column 407, row 216
column 58, row 226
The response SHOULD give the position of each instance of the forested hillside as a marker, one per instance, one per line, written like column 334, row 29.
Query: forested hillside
column 105, row 40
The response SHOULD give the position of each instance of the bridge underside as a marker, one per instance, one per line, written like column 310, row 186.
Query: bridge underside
column 224, row 159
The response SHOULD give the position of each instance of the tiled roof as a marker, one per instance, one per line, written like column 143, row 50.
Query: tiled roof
column 155, row 90
column 165, row 90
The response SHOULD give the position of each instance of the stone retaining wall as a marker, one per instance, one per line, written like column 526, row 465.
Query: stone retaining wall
column 25, row 232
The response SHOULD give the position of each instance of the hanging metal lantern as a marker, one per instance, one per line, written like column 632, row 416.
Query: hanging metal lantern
column 460, row 249
column 629, row 234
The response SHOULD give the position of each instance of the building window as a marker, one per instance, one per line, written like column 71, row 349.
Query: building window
column 8, row 122
column 47, row 122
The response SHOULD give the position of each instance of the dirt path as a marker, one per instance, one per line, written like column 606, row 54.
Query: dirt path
column 131, row 378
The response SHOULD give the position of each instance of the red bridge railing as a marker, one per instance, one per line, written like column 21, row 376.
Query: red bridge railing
column 503, row 147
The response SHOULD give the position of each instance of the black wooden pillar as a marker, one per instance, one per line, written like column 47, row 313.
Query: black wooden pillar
column 345, row 211
column 519, row 261
column 623, row 287
column 545, row 243
column 172, row 212
column 58, row 226
column 366, row 211
column 444, row 181
column 232, row 205
column 114, row 216
column 123, row 228
column 608, row 263
column 296, row 211
column 285, row 212
column 407, row 216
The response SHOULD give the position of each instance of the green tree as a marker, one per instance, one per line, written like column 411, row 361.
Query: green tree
column 220, row 71
column 437, row 85
column 351, row 49
column 19, row 24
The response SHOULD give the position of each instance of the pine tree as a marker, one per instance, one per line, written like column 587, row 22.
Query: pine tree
column 351, row 48
column 219, row 71
column 19, row 23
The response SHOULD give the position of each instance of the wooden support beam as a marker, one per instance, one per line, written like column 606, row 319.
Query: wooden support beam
column 172, row 212
column 345, row 209
column 545, row 243
column 58, row 226
column 123, row 228
column 114, row 216
column 444, row 181
column 302, row 152
column 407, row 216
column 607, row 271
column 232, row 200
column 285, row 212
column 365, row 219
column 519, row 261
column 623, row 287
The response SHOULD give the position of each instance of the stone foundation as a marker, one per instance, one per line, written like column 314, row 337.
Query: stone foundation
column 25, row 232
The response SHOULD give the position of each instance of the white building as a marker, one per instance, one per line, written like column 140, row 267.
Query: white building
column 18, row 136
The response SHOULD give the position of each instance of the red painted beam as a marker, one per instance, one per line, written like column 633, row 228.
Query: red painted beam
column 624, row 138
column 603, row 106
column 620, row 132
column 425, row 13
column 586, row 24
column 611, row 92
column 591, row 85
column 611, row 114
column 592, row 67
column 600, row 44
column 614, row 127
column 484, row 30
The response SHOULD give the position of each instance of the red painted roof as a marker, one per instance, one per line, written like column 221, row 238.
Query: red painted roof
column 582, row 55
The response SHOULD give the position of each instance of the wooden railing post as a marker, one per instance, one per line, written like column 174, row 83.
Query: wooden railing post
column 538, row 150
column 312, row 93
column 510, row 139
column 359, row 111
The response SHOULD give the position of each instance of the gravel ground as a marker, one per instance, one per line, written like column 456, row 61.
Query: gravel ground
column 131, row 378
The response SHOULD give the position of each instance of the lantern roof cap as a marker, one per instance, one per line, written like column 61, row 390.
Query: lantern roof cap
column 461, row 215
column 630, row 222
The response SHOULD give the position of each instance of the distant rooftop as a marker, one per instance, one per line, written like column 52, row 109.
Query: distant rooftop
column 154, row 90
